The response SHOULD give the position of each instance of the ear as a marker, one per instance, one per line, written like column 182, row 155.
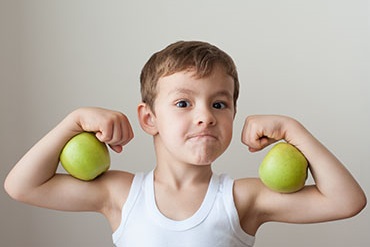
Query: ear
column 147, row 119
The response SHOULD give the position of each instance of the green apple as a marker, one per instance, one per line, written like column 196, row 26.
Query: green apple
column 284, row 168
column 85, row 157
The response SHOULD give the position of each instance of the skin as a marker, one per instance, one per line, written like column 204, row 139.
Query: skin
column 191, row 126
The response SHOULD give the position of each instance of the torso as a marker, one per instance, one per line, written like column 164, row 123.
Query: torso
column 212, row 218
column 186, row 202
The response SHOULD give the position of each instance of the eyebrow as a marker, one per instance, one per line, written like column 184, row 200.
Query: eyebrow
column 224, row 93
column 180, row 90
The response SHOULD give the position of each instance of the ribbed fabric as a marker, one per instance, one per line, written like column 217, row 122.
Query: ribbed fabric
column 216, row 222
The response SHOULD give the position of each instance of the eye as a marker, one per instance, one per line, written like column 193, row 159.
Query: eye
column 182, row 104
column 219, row 105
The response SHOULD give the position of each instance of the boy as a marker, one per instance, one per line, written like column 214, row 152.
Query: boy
column 189, row 93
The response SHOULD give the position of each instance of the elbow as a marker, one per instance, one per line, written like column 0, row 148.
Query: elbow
column 9, row 190
column 356, row 206
column 13, row 191
column 362, row 202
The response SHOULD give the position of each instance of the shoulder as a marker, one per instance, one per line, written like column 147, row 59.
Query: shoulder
column 247, row 193
column 117, row 185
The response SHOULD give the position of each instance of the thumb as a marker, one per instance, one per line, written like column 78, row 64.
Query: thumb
column 116, row 148
column 260, row 143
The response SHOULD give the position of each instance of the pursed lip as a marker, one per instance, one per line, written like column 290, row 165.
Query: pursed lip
column 201, row 135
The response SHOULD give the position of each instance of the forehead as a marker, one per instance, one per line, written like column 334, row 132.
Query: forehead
column 188, row 81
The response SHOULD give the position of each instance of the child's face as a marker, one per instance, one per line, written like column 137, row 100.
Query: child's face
column 194, row 117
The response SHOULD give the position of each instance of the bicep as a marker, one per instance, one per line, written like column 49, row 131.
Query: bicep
column 305, row 206
column 66, row 193
column 256, row 204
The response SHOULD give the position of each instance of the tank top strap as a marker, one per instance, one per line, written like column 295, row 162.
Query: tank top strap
column 227, row 186
column 136, row 187
column 190, row 222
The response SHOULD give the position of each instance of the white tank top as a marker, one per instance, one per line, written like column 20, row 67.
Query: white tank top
column 216, row 223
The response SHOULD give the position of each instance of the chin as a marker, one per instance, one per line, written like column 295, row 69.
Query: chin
column 204, row 161
column 202, row 164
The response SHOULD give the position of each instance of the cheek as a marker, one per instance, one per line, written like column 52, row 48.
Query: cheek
column 171, row 125
column 228, row 130
column 229, row 135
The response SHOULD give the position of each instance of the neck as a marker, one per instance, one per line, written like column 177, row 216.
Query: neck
column 178, row 176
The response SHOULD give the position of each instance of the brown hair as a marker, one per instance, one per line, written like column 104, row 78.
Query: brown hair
column 180, row 56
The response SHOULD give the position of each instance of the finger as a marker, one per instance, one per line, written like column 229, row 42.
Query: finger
column 105, row 133
column 116, row 148
column 122, row 132
column 251, row 135
column 100, row 136
column 263, row 142
column 118, row 132
column 254, row 137
column 127, row 134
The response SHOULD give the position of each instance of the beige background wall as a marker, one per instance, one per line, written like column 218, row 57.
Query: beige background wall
column 307, row 59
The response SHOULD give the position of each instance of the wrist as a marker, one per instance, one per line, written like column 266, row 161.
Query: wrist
column 294, row 131
column 71, row 124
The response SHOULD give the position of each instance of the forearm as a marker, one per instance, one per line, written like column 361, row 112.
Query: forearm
column 39, row 164
column 333, row 181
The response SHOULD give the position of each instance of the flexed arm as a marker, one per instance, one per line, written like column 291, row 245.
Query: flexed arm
column 335, row 194
column 33, row 179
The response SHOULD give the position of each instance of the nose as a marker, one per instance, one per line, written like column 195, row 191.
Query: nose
column 204, row 116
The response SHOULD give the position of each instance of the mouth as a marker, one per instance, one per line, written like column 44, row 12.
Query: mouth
column 203, row 136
